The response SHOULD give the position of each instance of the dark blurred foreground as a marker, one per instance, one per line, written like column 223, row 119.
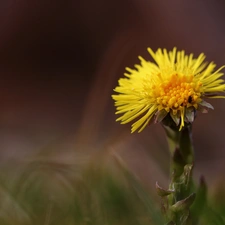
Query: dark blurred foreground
column 43, row 191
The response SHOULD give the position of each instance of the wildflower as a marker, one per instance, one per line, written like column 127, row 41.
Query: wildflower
column 175, row 84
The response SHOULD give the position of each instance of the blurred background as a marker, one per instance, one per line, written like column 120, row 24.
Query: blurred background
column 59, row 63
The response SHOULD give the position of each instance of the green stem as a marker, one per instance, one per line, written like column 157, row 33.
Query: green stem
column 181, row 140
column 182, row 157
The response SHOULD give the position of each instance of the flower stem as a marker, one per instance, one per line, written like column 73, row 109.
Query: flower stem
column 178, row 202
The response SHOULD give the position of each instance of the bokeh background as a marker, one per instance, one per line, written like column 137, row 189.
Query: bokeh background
column 59, row 63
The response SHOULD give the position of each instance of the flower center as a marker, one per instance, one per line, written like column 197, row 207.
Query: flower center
column 177, row 92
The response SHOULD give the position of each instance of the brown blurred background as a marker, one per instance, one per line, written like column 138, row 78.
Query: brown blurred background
column 59, row 63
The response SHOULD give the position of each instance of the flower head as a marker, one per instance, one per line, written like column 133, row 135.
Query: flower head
column 175, row 84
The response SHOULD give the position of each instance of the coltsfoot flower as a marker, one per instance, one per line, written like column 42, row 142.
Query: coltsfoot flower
column 175, row 84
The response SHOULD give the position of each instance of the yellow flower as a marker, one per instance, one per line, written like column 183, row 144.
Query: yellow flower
column 175, row 85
